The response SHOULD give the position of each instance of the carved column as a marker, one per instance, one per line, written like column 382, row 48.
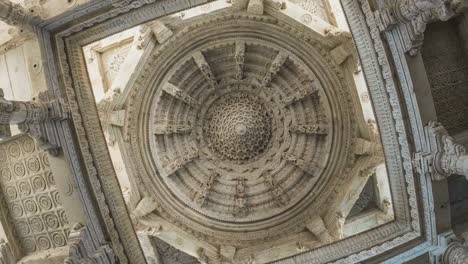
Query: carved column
column 15, row 15
column 455, row 253
column 447, row 157
column 34, row 118
column 67, row 188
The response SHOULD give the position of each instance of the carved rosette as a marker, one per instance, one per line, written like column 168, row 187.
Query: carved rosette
column 258, row 147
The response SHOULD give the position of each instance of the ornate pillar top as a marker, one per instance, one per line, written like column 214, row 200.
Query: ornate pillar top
column 447, row 157
column 16, row 15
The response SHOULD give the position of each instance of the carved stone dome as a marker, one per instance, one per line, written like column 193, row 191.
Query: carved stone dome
column 240, row 133
column 238, row 126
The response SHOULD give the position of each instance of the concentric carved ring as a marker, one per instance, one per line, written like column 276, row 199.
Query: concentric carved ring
column 5, row 174
column 233, row 129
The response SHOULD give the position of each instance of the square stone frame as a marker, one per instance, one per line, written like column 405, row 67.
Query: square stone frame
column 62, row 39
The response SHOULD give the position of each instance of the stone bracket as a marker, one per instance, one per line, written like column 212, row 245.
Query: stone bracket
column 446, row 157
column 84, row 249
column 410, row 17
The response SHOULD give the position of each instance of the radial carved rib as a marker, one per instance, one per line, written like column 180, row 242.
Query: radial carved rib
column 274, row 68
column 309, row 88
column 241, row 209
column 172, row 165
column 299, row 163
column 167, row 129
column 275, row 189
column 205, row 189
column 205, row 69
column 180, row 95
column 240, row 58
column 309, row 129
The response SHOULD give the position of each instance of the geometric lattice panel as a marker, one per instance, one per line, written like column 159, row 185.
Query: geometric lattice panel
column 446, row 65
column 31, row 196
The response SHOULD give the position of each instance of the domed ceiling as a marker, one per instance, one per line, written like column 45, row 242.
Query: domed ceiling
column 242, row 129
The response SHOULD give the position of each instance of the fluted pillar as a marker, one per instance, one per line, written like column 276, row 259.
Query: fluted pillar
column 455, row 253
column 447, row 157
column 15, row 15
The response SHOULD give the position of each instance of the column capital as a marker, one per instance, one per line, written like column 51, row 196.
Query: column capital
column 15, row 15
column 36, row 118
column 446, row 156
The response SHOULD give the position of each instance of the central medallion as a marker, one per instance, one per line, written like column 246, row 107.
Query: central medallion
column 238, row 126
column 237, row 133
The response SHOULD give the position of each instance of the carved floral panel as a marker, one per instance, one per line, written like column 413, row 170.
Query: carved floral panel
column 31, row 196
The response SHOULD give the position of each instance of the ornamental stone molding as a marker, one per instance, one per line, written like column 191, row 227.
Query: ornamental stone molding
column 447, row 157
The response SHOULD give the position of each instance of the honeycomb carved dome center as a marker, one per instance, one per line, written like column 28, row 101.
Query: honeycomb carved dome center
column 238, row 126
